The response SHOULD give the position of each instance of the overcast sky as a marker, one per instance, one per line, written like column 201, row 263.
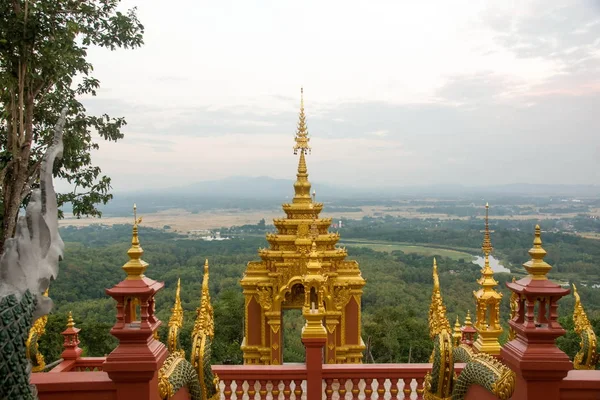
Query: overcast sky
column 396, row 92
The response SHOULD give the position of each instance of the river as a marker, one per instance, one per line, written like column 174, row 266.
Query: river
column 494, row 263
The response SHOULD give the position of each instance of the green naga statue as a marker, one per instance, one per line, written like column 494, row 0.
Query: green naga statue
column 195, row 375
column 28, row 264
column 481, row 369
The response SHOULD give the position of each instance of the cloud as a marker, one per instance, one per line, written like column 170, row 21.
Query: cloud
column 396, row 93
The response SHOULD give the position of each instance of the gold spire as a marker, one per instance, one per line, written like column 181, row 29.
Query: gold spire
column 437, row 310
column 468, row 319
column 487, row 243
column 537, row 267
column 457, row 336
column 302, row 138
column 204, row 314
column 70, row 322
column 176, row 321
column 135, row 267
column 487, row 300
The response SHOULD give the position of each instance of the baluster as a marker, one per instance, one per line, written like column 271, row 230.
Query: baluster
column 407, row 389
column 328, row 389
column 298, row 389
column 251, row 389
column 368, row 388
column 342, row 388
column 239, row 389
column 227, row 390
column 354, row 388
column 275, row 390
column 394, row 388
column 262, row 389
column 420, row 388
column 380, row 388
column 286, row 389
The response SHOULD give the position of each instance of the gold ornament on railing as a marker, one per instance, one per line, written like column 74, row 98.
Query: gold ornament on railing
column 588, row 356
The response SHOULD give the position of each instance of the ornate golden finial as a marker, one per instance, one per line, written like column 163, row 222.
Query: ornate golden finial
column 537, row 267
column 468, row 319
column 176, row 321
column 488, row 301
column 457, row 335
column 70, row 322
column 487, row 243
column 302, row 138
column 437, row 310
column 135, row 267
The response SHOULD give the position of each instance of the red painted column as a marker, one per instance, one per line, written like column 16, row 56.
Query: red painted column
column 314, row 366
column 540, row 366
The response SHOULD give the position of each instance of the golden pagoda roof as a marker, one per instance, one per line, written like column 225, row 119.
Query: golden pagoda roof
column 302, row 231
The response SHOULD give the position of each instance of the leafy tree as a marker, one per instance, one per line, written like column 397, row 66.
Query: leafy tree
column 43, row 48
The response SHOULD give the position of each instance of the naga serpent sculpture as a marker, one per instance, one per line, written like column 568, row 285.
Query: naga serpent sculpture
column 481, row 369
column 588, row 356
column 196, row 375
column 28, row 264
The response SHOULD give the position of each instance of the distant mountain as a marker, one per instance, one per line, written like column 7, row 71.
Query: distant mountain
column 268, row 193
column 261, row 187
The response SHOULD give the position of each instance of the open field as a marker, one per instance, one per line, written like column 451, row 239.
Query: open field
column 184, row 221
column 408, row 248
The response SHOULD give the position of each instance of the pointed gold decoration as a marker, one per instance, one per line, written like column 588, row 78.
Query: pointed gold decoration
column 204, row 314
column 437, row 310
column 468, row 319
column 176, row 322
column 135, row 267
column 302, row 138
column 488, row 301
column 537, row 267
column 457, row 335
column 70, row 321
column 587, row 357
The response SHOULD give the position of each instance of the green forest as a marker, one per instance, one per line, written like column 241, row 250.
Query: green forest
column 395, row 301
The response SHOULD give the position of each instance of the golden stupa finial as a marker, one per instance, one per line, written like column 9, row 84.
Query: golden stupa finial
column 487, row 280
column 537, row 267
column 135, row 267
column 487, row 243
column 302, row 138
column 468, row 319
column 457, row 335
column 302, row 185
column 70, row 322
